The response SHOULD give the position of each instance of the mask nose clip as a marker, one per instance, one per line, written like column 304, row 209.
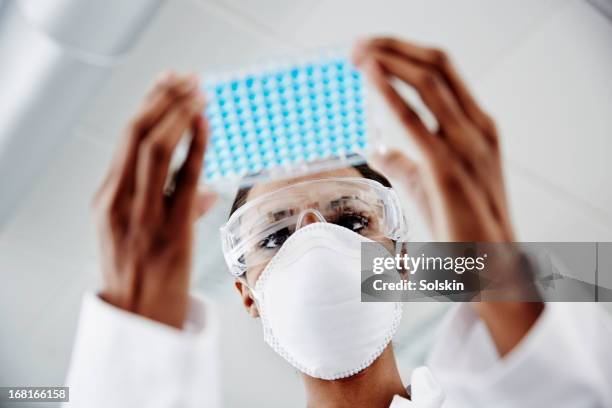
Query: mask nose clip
column 309, row 216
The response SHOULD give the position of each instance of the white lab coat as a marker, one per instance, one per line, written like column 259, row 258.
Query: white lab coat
column 123, row 360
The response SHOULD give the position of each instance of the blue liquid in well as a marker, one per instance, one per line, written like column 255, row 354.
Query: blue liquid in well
column 283, row 116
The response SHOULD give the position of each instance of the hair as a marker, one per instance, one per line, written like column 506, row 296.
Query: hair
column 364, row 169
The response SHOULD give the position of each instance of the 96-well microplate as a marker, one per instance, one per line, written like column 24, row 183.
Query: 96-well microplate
column 284, row 116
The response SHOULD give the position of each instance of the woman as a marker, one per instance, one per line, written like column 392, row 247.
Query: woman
column 488, row 354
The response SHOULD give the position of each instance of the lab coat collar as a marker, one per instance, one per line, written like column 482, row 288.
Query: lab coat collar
column 425, row 391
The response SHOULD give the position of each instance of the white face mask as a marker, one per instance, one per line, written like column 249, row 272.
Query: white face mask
column 309, row 300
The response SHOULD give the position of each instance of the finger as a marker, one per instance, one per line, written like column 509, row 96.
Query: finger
column 204, row 202
column 462, row 135
column 430, row 86
column 156, row 151
column 444, row 191
column 168, row 88
column 400, row 108
column 189, row 173
column 440, row 61
column 456, row 204
column 476, row 156
column 399, row 167
column 163, row 79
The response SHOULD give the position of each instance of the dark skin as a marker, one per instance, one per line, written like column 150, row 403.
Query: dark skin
column 459, row 183
column 146, row 235
column 373, row 387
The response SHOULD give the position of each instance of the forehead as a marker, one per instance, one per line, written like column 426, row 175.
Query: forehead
column 264, row 188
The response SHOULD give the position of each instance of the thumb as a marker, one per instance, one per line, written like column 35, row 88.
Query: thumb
column 204, row 201
column 398, row 167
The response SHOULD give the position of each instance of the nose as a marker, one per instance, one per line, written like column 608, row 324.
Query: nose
column 309, row 216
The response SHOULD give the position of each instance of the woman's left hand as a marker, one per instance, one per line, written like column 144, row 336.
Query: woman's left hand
column 460, row 181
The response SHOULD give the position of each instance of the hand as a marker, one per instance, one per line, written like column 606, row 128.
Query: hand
column 146, row 234
column 460, row 182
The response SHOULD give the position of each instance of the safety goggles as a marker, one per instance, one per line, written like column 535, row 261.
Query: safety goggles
column 257, row 230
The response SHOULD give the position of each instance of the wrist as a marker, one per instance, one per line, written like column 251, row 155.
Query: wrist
column 170, row 311
column 167, row 308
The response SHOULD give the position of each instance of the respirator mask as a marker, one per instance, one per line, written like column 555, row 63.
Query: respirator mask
column 308, row 285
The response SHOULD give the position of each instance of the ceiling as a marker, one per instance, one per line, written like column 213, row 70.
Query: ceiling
column 542, row 67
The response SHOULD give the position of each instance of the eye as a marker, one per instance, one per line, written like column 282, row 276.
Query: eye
column 354, row 222
column 275, row 240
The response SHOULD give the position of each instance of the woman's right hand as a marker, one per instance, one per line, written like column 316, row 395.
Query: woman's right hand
column 460, row 182
column 145, row 231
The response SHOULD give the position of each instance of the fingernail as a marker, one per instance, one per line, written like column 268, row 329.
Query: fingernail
column 165, row 77
column 371, row 67
column 193, row 79
column 359, row 49
column 211, row 195
column 188, row 84
column 204, row 189
column 361, row 43
column 199, row 101
column 204, row 123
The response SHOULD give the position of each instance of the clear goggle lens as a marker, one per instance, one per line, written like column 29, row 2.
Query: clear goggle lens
column 257, row 230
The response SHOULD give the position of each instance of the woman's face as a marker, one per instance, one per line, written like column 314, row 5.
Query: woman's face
column 332, row 201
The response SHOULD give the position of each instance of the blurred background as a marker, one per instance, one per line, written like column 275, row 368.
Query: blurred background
column 72, row 73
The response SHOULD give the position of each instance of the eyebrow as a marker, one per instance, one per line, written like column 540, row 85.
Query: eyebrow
column 275, row 216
